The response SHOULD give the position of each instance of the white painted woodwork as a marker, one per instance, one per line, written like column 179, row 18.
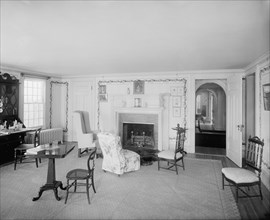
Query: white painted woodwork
column 234, row 119
column 144, row 111
column 262, row 117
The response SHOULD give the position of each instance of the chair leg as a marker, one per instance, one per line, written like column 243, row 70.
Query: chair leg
column 75, row 185
column 158, row 164
column 36, row 162
column 87, row 190
column 79, row 152
column 15, row 159
column 67, row 192
column 236, row 189
column 260, row 191
column 93, row 185
column 176, row 169
column 222, row 181
column 39, row 160
column 183, row 164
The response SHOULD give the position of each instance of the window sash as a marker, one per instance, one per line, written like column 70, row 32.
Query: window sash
column 34, row 102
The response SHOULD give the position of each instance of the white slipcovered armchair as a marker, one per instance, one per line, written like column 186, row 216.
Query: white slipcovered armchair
column 116, row 159
column 85, row 136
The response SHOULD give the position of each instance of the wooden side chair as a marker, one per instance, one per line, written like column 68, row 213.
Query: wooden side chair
column 172, row 157
column 250, row 175
column 80, row 175
column 21, row 149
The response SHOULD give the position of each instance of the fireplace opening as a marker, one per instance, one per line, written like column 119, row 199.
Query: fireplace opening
column 137, row 134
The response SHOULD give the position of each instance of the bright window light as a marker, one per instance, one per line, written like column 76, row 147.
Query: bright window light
column 34, row 102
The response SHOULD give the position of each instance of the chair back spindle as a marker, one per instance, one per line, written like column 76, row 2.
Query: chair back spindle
column 254, row 152
column 180, row 139
column 37, row 137
column 91, row 161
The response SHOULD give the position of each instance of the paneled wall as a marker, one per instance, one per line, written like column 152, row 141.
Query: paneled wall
column 165, row 94
column 262, row 116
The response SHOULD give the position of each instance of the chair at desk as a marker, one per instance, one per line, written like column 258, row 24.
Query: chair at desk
column 21, row 149
column 76, row 175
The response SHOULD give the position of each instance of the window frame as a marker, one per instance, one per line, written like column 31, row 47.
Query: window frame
column 37, row 100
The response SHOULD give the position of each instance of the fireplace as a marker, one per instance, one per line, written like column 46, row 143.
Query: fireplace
column 148, row 117
column 137, row 134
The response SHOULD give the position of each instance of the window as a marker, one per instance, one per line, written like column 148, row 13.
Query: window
column 34, row 102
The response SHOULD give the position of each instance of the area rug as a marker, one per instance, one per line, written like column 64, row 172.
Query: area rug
column 195, row 193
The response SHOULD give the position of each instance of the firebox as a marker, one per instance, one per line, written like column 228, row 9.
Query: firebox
column 137, row 134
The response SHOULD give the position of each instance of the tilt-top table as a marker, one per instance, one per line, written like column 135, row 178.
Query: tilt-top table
column 52, row 152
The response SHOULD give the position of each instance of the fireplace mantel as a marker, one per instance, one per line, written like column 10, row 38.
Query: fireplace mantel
column 140, row 110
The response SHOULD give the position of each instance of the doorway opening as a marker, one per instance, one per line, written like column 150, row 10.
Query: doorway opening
column 210, row 118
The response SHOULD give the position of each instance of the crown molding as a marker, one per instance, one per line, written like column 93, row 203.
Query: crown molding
column 26, row 71
column 162, row 74
column 259, row 60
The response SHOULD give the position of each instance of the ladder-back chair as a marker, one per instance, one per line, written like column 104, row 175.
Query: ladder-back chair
column 172, row 157
column 250, row 175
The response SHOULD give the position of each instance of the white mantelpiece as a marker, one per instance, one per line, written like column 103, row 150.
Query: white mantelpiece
column 140, row 110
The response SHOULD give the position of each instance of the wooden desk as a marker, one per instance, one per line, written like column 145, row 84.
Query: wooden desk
column 51, row 152
column 9, row 139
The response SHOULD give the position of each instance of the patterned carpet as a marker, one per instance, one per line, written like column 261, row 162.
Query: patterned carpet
column 195, row 193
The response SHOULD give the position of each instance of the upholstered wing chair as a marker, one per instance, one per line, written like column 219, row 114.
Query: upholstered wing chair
column 85, row 136
column 116, row 159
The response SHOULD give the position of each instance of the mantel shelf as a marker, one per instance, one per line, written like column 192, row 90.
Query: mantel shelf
column 139, row 110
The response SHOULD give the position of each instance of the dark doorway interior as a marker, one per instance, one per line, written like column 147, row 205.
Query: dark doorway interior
column 210, row 119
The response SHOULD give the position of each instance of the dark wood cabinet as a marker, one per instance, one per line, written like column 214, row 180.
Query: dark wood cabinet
column 9, row 108
column 9, row 95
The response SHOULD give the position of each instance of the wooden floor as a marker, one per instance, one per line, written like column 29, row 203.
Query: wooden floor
column 250, row 208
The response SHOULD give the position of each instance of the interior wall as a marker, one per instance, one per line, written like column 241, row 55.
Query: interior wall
column 159, row 93
column 250, row 106
column 262, row 117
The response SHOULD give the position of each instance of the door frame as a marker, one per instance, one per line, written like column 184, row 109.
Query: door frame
column 222, row 75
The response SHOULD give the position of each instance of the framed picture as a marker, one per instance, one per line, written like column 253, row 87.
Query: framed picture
column 138, row 87
column 176, row 101
column 176, row 112
column 103, row 97
column 137, row 102
column 102, row 89
column 174, row 90
column 266, row 96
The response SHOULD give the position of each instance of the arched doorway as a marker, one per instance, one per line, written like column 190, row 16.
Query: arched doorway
column 210, row 123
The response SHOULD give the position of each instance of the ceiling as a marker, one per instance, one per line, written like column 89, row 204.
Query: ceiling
column 104, row 37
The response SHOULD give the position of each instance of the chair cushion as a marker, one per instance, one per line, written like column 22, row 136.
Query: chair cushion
column 78, row 174
column 240, row 175
column 169, row 154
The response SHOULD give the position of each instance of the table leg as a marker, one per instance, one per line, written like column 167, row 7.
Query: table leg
column 51, row 184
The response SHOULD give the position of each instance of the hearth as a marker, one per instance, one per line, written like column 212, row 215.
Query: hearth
column 138, row 134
